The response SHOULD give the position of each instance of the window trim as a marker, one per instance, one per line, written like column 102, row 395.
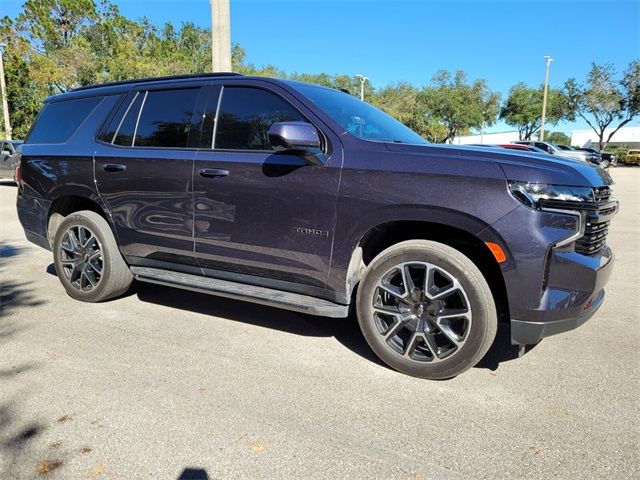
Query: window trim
column 126, row 112
column 135, row 129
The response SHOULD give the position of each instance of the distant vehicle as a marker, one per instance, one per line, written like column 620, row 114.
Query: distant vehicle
column 7, row 158
column 633, row 157
column 592, row 157
column 527, row 148
column 561, row 152
column 608, row 159
column 511, row 146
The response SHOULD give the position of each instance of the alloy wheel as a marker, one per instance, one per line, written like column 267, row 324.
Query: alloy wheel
column 421, row 311
column 81, row 258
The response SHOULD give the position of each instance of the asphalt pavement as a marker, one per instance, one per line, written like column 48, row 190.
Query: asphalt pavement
column 168, row 384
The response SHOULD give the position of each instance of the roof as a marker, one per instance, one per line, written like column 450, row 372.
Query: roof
column 156, row 79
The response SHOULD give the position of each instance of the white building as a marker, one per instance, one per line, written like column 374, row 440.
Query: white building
column 490, row 138
column 626, row 137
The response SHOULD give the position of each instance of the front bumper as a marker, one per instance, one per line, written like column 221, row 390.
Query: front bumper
column 562, row 309
column 550, row 288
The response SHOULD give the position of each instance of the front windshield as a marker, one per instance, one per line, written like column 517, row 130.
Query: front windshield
column 359, row 118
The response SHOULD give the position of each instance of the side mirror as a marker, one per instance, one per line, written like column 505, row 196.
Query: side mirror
column 295, row 137
column 6, row 152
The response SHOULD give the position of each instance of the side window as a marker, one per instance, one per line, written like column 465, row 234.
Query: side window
column 58, row 121
column 166, row 118
column 245, row 116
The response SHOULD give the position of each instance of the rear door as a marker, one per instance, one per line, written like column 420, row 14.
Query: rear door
column 266, row 218
column 143, row 170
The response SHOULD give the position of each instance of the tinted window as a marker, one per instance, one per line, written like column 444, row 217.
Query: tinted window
column 166, row 118
column 245, row 116
column 127, row 126
column 59, row 120
column 358, row 117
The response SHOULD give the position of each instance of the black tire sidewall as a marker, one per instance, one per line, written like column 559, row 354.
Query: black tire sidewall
column 484, row 317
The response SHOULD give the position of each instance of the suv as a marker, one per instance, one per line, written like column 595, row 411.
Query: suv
column 606, row 159
column 308, row 199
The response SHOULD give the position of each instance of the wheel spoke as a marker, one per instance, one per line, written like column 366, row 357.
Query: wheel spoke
column 452, row 313
column 73, row 239
column 412, row 343
column 407, row 281
column 444, row 293
column 449, row 333
column 89, row 241
column 387, row 309
column 395, row 291
column 95, row 269
column 432, row 346
column 394, row 329
column 88, row 277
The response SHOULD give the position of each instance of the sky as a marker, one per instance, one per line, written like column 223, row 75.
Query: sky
column 503, row 42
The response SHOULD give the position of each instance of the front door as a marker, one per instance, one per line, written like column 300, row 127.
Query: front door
column 262, row 217
column 143, row 172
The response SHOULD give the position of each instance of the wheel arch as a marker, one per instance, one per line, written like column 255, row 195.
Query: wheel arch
column 67, row 201
column 382, row 236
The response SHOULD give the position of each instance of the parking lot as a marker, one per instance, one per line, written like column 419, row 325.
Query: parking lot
column 170, row 384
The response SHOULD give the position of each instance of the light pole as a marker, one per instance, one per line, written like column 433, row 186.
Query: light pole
column 3, row 92
column 548, row 59
column 362, row 79
column 220, row 36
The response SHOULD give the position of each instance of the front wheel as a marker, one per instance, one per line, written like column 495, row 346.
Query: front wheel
column 426, row 310
column 88, row 262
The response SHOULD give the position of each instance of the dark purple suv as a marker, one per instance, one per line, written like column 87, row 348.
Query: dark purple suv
column 305, row 198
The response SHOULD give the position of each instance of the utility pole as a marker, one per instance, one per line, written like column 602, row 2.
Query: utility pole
column 3, row 92
column 544, row 96
column 220, row 36
column 362, row 79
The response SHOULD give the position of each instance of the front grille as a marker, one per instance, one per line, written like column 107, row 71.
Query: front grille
column 597, row 217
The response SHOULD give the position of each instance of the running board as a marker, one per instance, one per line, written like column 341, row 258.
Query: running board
column 241, row 291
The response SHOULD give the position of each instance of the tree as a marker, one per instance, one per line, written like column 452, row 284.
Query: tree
column 460, row 106
column 523, row 109
column 602, row 100
column 558, row 137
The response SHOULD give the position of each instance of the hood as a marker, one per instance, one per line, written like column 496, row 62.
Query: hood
column 518, row 165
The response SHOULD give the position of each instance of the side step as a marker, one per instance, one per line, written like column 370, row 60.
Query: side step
column 240, row 291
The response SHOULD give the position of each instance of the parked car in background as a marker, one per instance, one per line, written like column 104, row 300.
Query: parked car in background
column 632, row 158
column 7, row 158
column 608, row 159
column 556, row 150
column 526, row 148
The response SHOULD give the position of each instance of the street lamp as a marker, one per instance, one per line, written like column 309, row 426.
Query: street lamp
column 3, row 92
column 362, row 79
column 548, row 59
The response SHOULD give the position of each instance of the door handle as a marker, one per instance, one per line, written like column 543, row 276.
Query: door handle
column 213, row 172
column 114, row 167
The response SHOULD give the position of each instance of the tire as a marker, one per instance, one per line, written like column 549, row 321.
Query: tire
column 87, row 260
column 454, row 316
column 604, row 164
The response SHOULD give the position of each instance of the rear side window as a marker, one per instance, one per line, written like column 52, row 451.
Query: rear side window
column 166, row 118
column 127, row 127
column 245, row 116
column 58, row 121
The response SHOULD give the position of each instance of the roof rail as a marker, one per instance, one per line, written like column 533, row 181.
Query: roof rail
column 151, row 79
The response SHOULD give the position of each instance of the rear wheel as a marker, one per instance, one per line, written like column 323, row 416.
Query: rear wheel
column 87, row 259
column 426, row 310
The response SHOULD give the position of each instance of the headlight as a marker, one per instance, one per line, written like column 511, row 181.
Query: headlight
column 536, row 195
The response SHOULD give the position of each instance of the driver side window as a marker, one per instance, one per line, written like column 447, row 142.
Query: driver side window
column 246, row 115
